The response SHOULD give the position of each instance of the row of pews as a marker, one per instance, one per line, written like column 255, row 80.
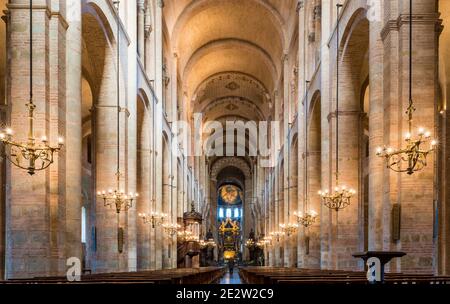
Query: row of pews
column 293, row 276
column 203, row 275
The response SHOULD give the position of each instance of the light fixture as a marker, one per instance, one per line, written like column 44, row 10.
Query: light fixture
column 171, row 228
column 277, row 235
column 289, row 228
column 306, row 219
column 413, row 157
column 154, row 218
column 184, row 235
column 116, row 197
column 250, row 243
column 30, row 155
column 267, row 240
column 341, row 196
column 261, row 244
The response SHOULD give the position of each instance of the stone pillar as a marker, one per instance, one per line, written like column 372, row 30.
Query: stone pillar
column 4, row 121
column 158, row 87
column 35, row 210
column 107, row 257
column 443, row 248
column 379, row 224
column 416, row 193
column 346, row 221
column 141, row 28
column 130, row 121
column 143, row 188
column 325, row 235
column 73, row 136
column 312, row 259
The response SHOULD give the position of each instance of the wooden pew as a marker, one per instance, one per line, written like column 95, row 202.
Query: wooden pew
column 278, row 275
column 206, row 275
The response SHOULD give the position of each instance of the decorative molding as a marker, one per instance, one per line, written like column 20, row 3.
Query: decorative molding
column 344, row 113
column 396, row 24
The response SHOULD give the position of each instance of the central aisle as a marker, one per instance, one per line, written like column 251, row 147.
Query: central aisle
column 231, row 278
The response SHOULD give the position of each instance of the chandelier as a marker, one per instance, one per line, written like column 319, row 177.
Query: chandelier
column 184, row 235
column 277, row 235
column 306, row 219
column 210, row 243
column 187, row 236
column 267, row 240
column 171, row 228
column 116, row 197
column 30, row 155
column 261, row 244
column 341, row 196
column 413, row 157
column 154, row 218
column 289, row 228
column 250, row 243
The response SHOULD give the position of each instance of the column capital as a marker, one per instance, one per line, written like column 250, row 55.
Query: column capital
column 403, row 19
column 300, row 5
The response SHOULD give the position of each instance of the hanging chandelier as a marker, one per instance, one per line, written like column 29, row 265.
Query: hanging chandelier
column 154, row 218
column 277, row 235
column 261, row 244
column 289, row 228
column 31, row 155
column 267, row 240
column 306, row 219
column 250, row 243
column 209, row 243
column 184, row 235
column 340, row 198
column 116, row 197
column 171, row 228
column 413, row 157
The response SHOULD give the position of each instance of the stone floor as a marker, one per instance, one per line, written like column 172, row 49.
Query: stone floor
column 231, row 278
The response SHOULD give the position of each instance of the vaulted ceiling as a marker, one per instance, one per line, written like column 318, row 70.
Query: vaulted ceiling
column 229, row 53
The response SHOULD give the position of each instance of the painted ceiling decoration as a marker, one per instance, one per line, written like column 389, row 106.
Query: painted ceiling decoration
column 230, row 194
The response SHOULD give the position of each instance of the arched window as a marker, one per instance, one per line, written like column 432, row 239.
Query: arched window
column 83, row 225
column 228, row 212
column 236, row 212
column 221, row 213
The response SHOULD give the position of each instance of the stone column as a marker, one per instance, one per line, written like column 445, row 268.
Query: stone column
column 107, row 258
column 325, row 236
column 34, row 207
column 158, row 87
column 378, row 224
column 130, row 120
column 4, row 121
column 415, row 193
column 141, row 28
column 346, row 221
column 73, row 136
column 143, row 188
